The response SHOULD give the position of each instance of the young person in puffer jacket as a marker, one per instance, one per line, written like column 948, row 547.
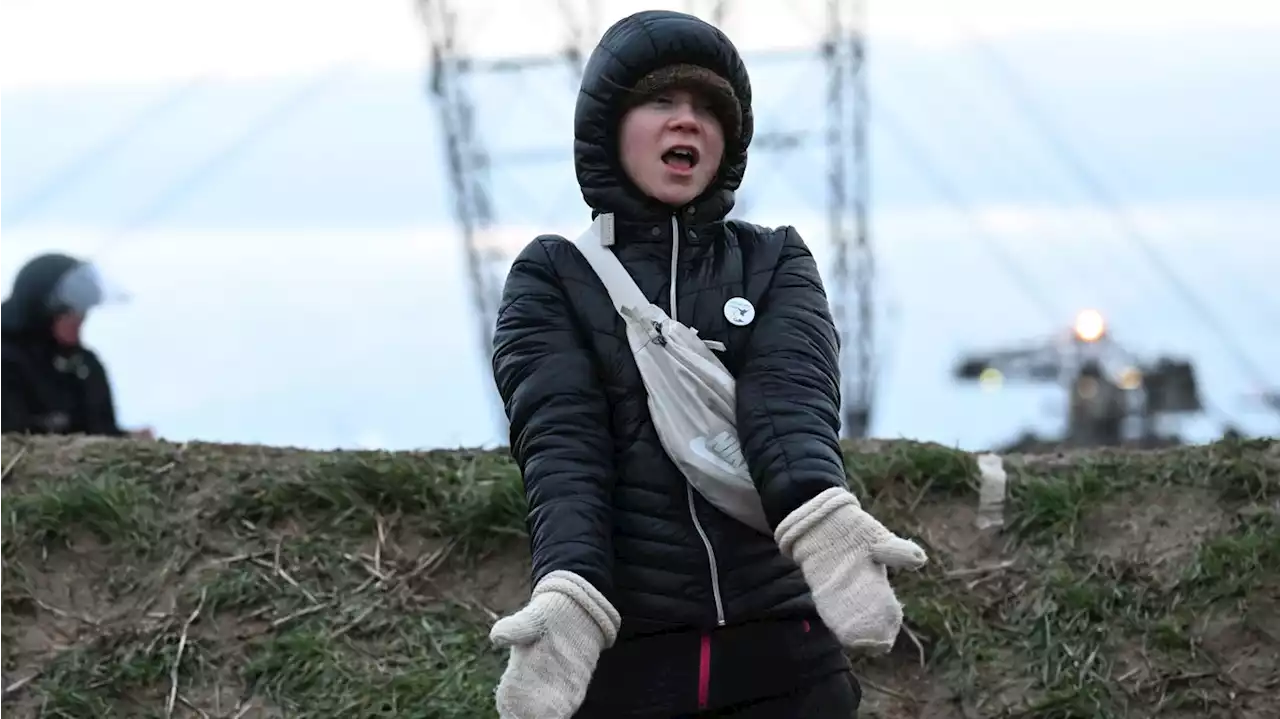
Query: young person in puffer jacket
column 648, row 601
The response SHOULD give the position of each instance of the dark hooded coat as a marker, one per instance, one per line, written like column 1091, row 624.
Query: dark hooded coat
column 712, row 613
column 49, row 388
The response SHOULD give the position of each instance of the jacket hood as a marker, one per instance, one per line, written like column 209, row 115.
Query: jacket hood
column 628, row 51
column 26, row 309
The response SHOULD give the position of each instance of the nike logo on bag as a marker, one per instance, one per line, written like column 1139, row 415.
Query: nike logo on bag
column 718, row 451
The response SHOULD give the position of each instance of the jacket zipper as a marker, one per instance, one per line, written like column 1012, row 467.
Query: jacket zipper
column 693, row 511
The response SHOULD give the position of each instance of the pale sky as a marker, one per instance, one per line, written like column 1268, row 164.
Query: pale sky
column 307, row 288
column 73, row 42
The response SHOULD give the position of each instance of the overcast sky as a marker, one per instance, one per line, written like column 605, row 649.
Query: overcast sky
column 266, row 180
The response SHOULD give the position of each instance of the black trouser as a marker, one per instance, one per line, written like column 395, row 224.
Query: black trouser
column 836, row 696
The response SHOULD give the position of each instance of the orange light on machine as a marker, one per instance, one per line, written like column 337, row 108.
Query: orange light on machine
column 1090, row 327
column 1130, row 378
column 991, row 379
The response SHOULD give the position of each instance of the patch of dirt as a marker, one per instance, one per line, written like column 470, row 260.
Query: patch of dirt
column 498, row 583
column 898, row 688
column 1246, row 655
column 952, row 528
column 1263, row 616
column 65, row 592
column 224, row 700
column 1160, row 527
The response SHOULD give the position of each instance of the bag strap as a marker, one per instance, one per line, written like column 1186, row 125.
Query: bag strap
column 594, row 245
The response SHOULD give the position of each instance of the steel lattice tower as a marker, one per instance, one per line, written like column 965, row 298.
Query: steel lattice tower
column 850, row 279
column 849, row 179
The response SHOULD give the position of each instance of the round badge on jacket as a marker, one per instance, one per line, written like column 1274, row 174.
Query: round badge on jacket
column 739, row 311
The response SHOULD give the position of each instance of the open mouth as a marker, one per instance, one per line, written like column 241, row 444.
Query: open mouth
column 681, row 157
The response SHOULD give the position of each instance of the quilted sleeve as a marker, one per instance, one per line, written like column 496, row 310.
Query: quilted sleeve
column 559, row 422
column 788, row 388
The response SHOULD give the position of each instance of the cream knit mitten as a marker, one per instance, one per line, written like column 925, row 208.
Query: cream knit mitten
column 843, row 552
column 555, row 642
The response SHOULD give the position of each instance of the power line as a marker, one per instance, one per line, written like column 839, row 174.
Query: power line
column 997, row 150
column 67, row 175
column 1012, row 268
column 185, row 186
column 1057, row 143
column 919, row 157
column 945, row 188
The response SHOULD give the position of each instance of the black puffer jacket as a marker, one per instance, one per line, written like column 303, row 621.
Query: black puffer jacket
column 49, row 388
column 712, row 613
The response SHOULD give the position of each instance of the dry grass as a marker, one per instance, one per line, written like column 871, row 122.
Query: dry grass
column 151, row 579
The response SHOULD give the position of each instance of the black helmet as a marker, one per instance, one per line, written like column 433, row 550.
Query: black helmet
column 48, row 285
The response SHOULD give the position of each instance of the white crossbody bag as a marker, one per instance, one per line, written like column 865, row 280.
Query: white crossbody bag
column 691, row 394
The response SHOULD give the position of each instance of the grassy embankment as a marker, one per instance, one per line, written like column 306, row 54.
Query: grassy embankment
column 227, row 581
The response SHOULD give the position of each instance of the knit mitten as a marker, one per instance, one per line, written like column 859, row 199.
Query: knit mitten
column 843, row 552
column 555, row 642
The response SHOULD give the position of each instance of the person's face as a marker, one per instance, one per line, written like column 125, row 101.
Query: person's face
column 66, row 328
column 671, row 146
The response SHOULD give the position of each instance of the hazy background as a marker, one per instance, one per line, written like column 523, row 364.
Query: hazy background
column 266, row 180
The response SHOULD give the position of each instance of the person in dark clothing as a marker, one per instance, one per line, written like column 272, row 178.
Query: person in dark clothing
column 647, row 600
column 52, row 383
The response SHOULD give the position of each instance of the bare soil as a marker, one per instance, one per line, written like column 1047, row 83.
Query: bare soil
column 248, row 581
